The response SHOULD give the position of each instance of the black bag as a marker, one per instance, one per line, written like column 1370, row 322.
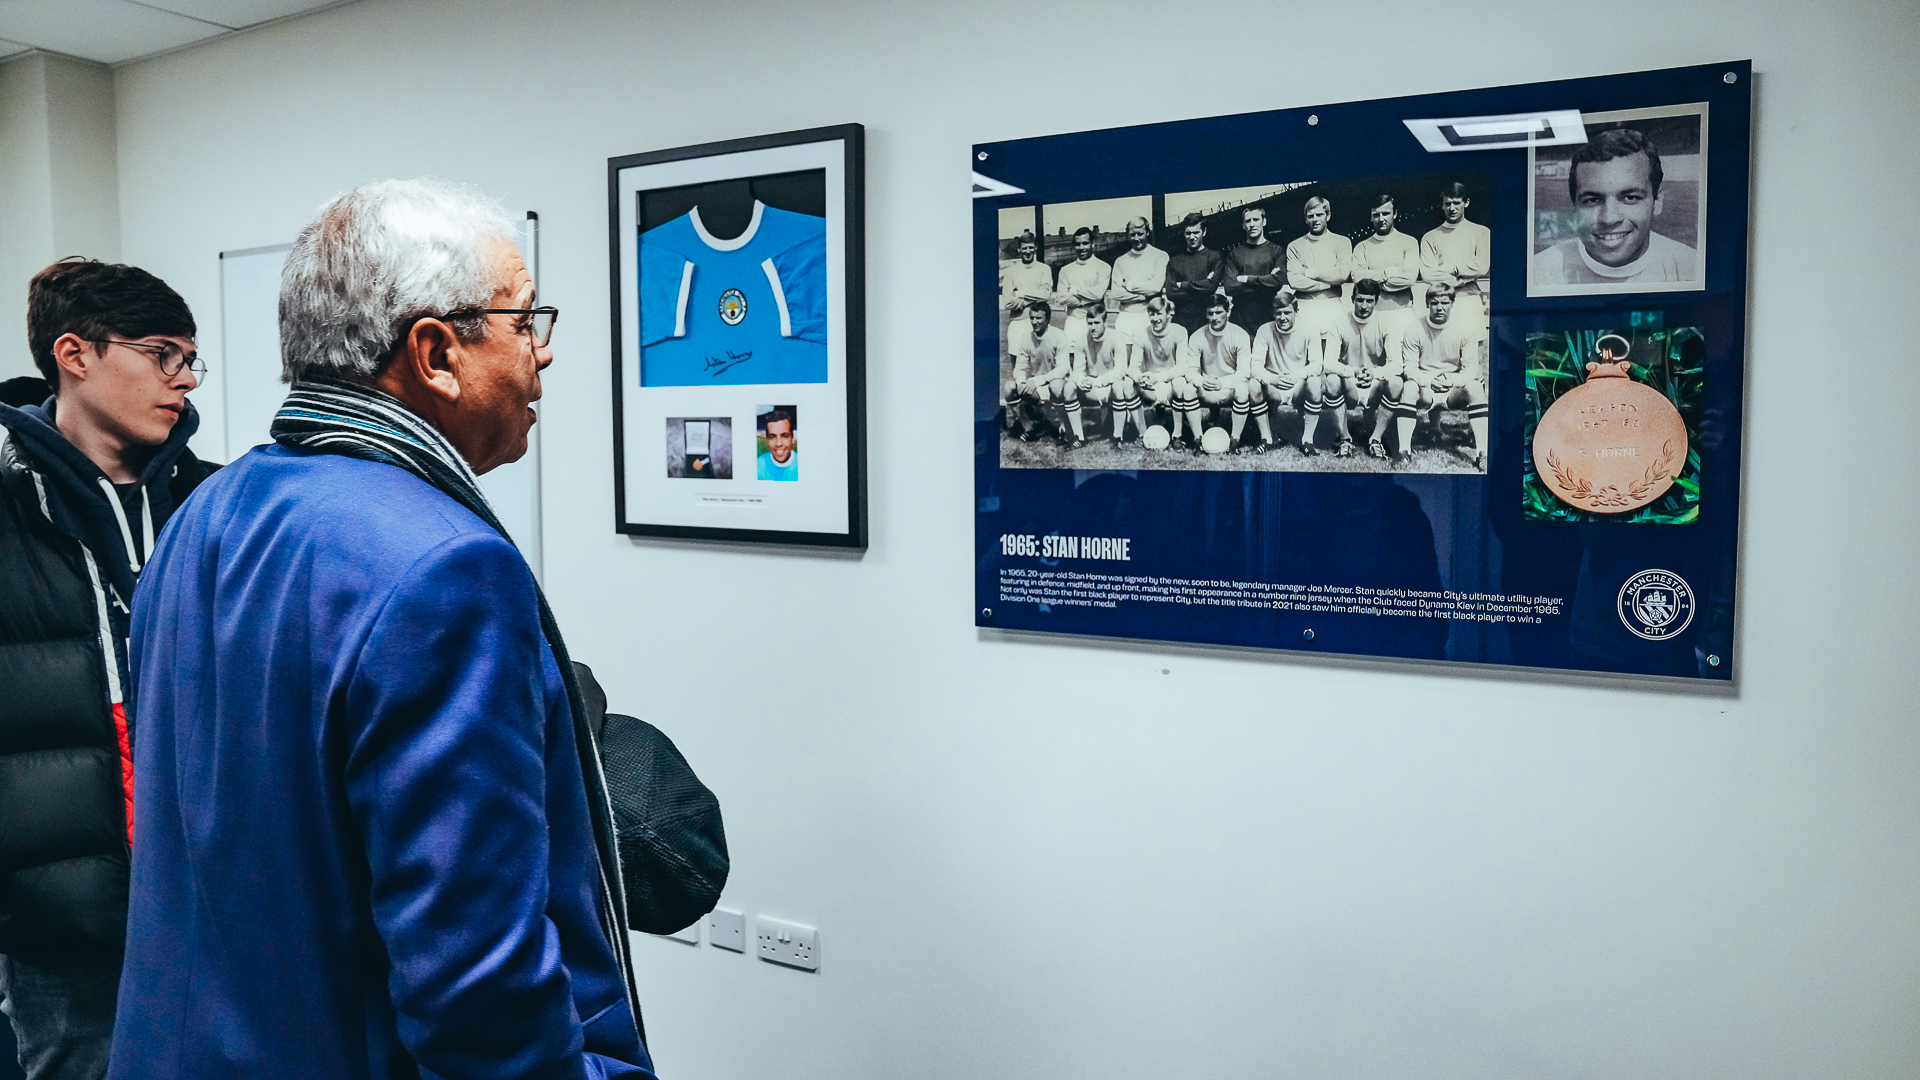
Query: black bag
column 673, row 848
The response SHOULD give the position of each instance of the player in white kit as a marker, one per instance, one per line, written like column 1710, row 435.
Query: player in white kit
column 1318, row 264
column 1021, row 284
column 1458, row 252
column 1391, row 258
column 1157, row 366
column 1104, row 376
column 1139, row 274
column 1219, row 356
column 1081, row 288
column 1372, row 372
column 1445, row 363
column 1287, row 371
column 1039, row 372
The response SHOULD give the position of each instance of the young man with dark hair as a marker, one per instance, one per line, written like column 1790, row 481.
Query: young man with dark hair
column 1082, row 288
column 1022, row 283
column 1389, row 257
column 1039, row 373
column 1285, row 372
column 778, row 461
column 1369, row 372
column 1254, row 269
column 1103, row 375
column 1458, row 253
column 1219, row 360
column 1318, row 265
column 87, row 480
column 1444, row 362
column 1157, row 367
column 1613, row 182
column 1139, row 275
column 1193, row 275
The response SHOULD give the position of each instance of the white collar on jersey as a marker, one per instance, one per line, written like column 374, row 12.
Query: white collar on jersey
column 1626, row 270
column 734, row 244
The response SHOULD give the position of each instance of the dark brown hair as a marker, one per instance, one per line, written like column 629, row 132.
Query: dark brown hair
column 98, row 300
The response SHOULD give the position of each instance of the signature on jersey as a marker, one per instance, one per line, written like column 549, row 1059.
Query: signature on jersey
column 720, row 365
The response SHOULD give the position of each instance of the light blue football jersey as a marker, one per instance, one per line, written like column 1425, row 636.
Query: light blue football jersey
column 729, row 312
column 770, row 469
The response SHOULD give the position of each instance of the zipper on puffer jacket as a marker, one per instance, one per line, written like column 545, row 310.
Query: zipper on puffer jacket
column 116, row 703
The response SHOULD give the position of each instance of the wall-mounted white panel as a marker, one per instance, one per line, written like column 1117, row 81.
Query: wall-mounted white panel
column 249, row 362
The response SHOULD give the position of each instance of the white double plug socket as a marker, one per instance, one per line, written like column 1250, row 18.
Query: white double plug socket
column 789, row 944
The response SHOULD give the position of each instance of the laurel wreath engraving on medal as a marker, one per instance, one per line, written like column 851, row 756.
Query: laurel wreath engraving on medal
column 1578, row 487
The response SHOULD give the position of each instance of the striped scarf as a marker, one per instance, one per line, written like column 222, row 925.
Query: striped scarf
column 339, row 417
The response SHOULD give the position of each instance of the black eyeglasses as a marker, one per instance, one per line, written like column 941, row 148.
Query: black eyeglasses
column 539, row 320
column 169, row 356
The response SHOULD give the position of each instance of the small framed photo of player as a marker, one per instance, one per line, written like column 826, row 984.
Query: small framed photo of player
column 737, row 277
column 1625, row 211
column 777, row 434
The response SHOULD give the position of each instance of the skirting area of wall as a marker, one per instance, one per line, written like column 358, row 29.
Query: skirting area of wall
column 1035, row 858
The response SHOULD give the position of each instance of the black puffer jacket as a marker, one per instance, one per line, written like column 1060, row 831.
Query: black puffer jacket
column 66, row 575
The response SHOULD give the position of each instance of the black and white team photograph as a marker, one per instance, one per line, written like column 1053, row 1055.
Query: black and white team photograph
column 1330, row 326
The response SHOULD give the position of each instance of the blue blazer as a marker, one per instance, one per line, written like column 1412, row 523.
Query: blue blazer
column 361, row 844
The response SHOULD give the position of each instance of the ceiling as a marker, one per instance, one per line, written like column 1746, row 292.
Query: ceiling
column 115, row 31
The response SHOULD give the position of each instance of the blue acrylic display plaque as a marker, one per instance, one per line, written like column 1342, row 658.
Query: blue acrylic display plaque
column 1433, row 560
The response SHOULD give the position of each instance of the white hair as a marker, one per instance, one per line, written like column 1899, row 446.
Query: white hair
column 376, row 259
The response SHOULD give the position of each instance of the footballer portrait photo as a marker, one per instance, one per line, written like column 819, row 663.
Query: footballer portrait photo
column 1624, row 212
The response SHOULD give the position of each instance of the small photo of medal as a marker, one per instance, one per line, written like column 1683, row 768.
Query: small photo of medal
column 1611, row 420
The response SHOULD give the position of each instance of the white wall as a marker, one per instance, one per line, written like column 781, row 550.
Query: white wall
column 26, row 199
column 1036, row 858
column 59, row 194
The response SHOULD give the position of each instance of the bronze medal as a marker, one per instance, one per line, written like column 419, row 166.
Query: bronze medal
column 1611, row 444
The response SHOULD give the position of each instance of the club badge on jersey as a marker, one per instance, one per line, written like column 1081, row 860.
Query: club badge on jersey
column 733, row 307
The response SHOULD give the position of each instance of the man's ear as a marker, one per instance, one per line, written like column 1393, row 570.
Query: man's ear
column 73, row 356
column 432, row 356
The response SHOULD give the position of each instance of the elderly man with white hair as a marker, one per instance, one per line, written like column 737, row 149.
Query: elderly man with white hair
column 373, row 837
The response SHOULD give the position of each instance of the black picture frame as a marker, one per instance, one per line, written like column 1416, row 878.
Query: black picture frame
column 632, row 209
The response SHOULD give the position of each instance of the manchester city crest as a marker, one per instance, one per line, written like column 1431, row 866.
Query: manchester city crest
column 733, row 307
column 1656, row 604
